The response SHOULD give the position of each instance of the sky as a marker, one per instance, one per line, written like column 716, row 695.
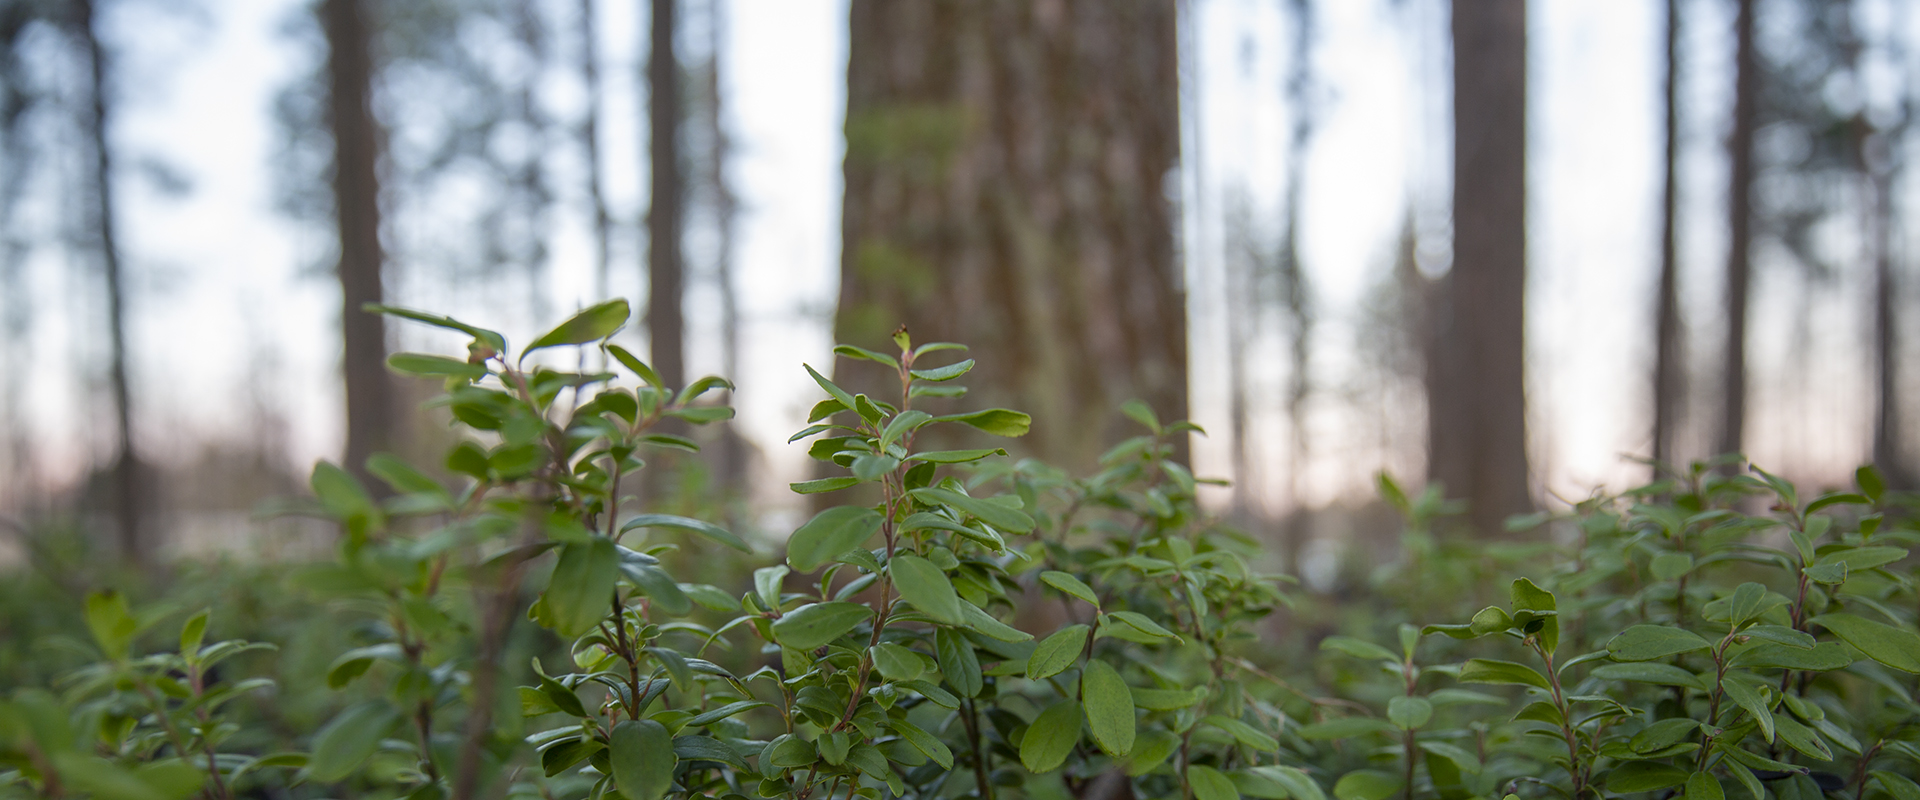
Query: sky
column 232, row 316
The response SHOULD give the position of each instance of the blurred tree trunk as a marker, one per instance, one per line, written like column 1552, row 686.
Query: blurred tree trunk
column 666, row 327
column 590, row 141
column 729, row 458
column 1293, row 281
column 356, row 189
column 1006, row 187
column 1668, row 372
column 1746, row 114
column 1476, row 370
column 130, row 493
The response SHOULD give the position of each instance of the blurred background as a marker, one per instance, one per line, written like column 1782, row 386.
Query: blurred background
column 1513, row 247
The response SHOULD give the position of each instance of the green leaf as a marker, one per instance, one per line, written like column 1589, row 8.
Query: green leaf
column 194, row 632
column 1650, row 672
column 402, row 476
column 715, row 715
column 1900, row 786
column 1208, row 783
column 1863, row 558
column 354, row 663
column 1152, row 749
column 1409, row 713
column 824, row 485
column 1782, row 635
column 1056, row 653
column 1748, row 601
column 112, row 624
column 851, row 351
column 707, row 748
column 955, row 456
column 580, row 592
column 983, row 623
column 493, row 340
column 946, row 373
column 595, row 323
column 992, row 513
column 815, row 624
column 1894, row 647
column 830, row 533
column 1801, row 738
column 643, row 759
column 1483, row 670
column 1165, row 699
column 1299, row 785
column 1824, row 657
column 1366, row 784
column 1872, row 485
column 350, row 739
column 637, row 367
column 1754, row 701
column 1050, row 737
column 433, row 366
column 1143, row 624
column 344, row 499
column 1069, row 584
column 902, row 424
column 997, row 421
column 1243, row 733
column 706, row 529
column 1109, row 706
column 1358, row 648
column 925, row 742
column 897, row 663
column 1528, row 597
column 842, row 395
column 958, row 663
column 1649, row 642
column 1645, row 776
column 1670, row 566
column 927, row 588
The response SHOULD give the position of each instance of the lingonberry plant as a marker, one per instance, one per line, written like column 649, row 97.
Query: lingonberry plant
column 965, row 624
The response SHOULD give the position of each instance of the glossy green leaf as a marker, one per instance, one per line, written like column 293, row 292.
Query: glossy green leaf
column 1650, row 672
column 997, row 421
column 1208, row 783
column 1056, row 653
column 580, row 593
column 927, row 588
column 955, row 456
column 1649, row 642
column 593, row 324
column 816, row 624
column 1109, row 707
column 1050, row 737
column 643, row 759
column 701, row 527
column 830, row 533
column 958, row 663
column 1344, row 728
column 925, row 742
column 984, row 624
column 946, row 373
column 1754, row 701
column 1483, row 670
column 1409, row 713
column 1367, row 784
column 1067, row 583
column 432, row 366
column 986, row 511
column 1243, row 733
column 1150, row 750
column 1645, row 776
column 350, row 739
column 897, row 663
column 1358, row 648
column 1895, row 647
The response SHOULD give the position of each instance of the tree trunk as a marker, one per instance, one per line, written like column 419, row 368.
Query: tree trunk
column 730, row 451
column 1476, row 375
column 1746, row 112
column 356, row 190
column 1668, row 373
column 590, row 141
column 1293, row 280
column 130, row 495
column 1006, row 187
column 666, row 328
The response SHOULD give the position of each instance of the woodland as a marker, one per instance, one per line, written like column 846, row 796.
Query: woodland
column 1047, row 513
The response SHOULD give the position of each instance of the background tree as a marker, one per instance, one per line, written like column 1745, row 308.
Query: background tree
column 356, row 189
column 1740, row 172
column 130, row 493
column 666, row 324
column 1475, row 371
column 1005, row 187
column 1669, row 369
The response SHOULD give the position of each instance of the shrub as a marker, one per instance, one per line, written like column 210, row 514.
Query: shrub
column 971, row 625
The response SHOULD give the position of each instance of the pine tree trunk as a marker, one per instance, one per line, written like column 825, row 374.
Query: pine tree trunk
column 1746, row 112
column 1476, row 371
column 1668, row 373
column 1006, row 187
column 356, row 187
column 666, row 329
column 130, row 494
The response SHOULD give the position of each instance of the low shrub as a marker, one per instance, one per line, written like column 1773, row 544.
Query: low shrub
column 970, row 625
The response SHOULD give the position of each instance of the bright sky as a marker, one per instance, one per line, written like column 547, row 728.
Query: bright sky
column 229, row 307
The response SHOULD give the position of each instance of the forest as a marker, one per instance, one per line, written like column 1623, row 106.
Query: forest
column 1198, row 399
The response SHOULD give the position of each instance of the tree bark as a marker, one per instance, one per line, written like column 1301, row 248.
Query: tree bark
column 1006, row 174
column 1668, row 373
column 590, row 142
column 1746, row 112
column 666, row 327
column 129, row 489
column 1476, row 367
column 356, row 188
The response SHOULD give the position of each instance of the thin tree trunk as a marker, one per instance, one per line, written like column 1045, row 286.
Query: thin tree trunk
column 666, row 328
column 529, row 180
column 1293, row 280
column 1889, row 429
column 590, row 141
column 1668, row 375
column 1005, row 188
column 1746, row 112
column 730, row 454
column 356, row 188
column 130, row 493
column 1476, row 389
